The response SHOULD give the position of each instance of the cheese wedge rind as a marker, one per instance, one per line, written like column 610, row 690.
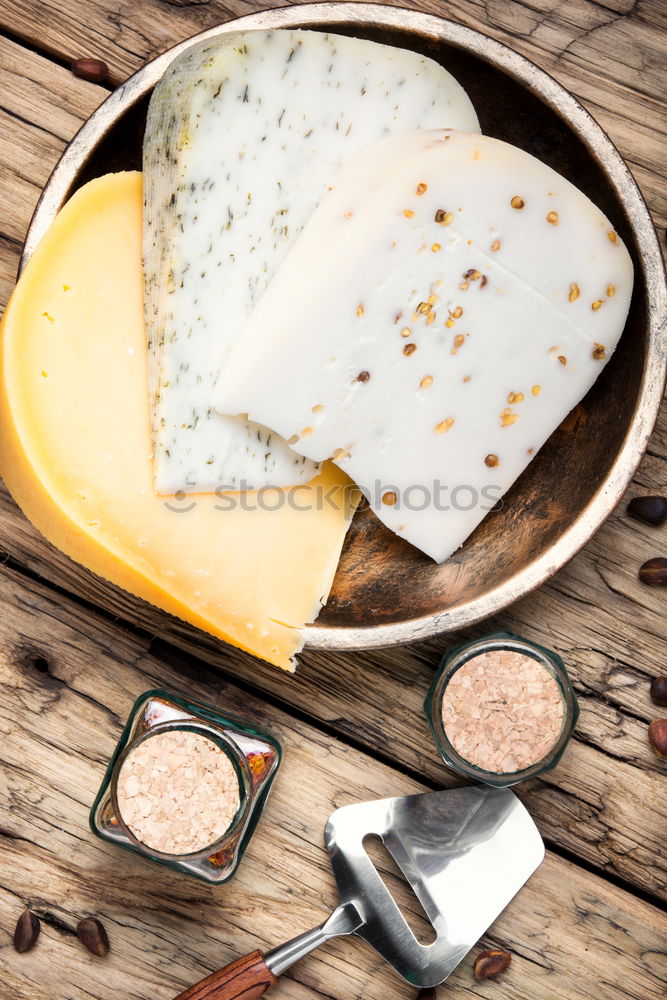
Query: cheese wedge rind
column 75, row 448
column 245, row 135
column 467, row 304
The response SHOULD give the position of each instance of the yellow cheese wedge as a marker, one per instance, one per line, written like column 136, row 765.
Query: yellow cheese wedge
column 75, row 449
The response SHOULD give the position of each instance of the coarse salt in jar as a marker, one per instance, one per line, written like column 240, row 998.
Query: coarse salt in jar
column 501, row 709
column 185, row 786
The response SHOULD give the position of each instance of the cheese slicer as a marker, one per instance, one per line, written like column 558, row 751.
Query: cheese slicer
column 465, row 852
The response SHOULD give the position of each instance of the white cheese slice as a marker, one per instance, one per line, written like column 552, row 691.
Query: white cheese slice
column 448, row 319
column 245, row 135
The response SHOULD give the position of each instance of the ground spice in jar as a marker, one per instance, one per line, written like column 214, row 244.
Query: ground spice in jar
column 502, row 711
column 178, row 792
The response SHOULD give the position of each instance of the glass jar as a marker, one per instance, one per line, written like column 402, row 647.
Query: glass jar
column 254, row 755
column 453, row 660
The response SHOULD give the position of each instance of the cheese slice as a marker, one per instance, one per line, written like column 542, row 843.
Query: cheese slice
column 245, row 135
column 75, row 449
column 429, row 332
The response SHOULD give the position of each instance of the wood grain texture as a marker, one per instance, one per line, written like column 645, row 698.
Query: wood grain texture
column 351, row 722
column 63, row 703
column 42, row 106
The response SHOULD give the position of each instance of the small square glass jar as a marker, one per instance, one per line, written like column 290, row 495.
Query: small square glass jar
column 255, row 757
column 455, row 658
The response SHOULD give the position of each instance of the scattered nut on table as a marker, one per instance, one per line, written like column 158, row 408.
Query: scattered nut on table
column 657, row 737
column 650, row 510
column 654, row 572
column 659, row 690
column 26, row 931
column 93, row 936
column 93, row 70
column 491, row 963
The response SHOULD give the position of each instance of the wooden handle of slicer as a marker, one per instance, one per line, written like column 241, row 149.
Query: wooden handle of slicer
column 247, row 978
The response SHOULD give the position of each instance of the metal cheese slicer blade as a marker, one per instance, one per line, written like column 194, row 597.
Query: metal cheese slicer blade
column 465, row 853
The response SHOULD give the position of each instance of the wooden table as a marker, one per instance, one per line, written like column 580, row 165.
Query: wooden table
column 74, row 652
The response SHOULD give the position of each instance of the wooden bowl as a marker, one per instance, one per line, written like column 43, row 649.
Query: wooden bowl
column 385, row 590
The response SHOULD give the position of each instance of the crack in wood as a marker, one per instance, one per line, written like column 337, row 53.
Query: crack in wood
column 26, row 121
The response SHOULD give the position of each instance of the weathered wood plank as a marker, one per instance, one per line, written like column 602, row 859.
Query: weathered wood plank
column 43, row 94
column 41, row 107
column 617, row 40
column 569, row 932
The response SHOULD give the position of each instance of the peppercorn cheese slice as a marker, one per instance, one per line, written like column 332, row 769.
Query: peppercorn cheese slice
column 447, row 320
column 245, row 135
column 75, row 449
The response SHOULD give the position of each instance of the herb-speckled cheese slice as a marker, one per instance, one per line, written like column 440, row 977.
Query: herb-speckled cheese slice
column 246, row 133
column 467, row 304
